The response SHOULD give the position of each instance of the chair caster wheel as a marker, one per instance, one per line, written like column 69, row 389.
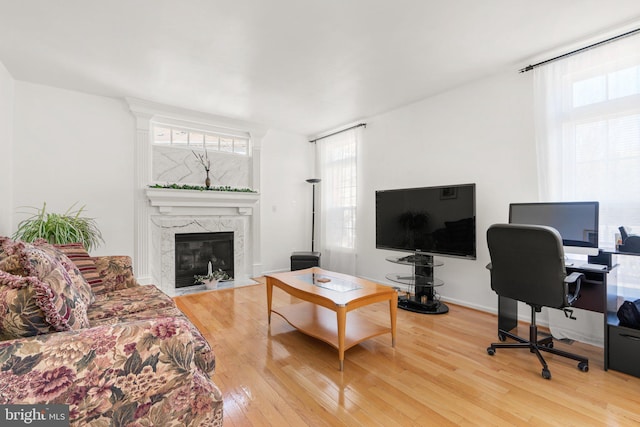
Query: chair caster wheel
column 502, row 337
column 491, row 351
column 546, row 374
column 583, row 366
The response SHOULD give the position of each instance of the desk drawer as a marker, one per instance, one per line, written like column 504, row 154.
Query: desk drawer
column 592, row 296
column 624, row 350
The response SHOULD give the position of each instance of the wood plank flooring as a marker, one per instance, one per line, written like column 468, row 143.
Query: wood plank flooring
column 438, row 374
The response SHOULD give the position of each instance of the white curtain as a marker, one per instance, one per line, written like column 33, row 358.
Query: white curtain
column 587, row 127
column 338, row 167
column 587, row 110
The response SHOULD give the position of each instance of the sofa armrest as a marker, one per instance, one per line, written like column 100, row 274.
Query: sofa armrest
column 120, row 374
column 116, row 272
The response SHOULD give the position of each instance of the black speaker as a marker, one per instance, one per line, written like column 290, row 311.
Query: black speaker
column 302, row 260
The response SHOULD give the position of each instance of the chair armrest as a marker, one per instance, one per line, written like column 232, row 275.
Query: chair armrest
column 116, row 272
column 576, row 278
column 128, row 372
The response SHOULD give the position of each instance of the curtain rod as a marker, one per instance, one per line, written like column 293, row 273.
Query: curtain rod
column 531, row 67
column 340, row 131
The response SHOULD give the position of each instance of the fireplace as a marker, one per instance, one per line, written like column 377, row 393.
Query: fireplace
column 194, row 251
column 192, row 212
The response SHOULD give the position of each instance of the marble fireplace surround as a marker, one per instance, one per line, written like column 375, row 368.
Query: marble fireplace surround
column 191, row 211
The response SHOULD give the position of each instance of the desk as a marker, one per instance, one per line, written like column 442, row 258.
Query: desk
column 621, row 344
column 598, row 293
column 593, row 296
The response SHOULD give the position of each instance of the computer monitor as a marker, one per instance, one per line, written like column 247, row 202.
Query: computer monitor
column 577, row 222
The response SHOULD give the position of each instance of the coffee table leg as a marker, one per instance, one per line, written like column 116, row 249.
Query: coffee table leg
column 269, row 297
column 342, row 323
column 393, row 311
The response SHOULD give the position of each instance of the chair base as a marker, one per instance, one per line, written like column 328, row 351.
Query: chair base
column 537, row 346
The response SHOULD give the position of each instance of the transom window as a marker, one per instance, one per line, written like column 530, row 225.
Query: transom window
column 174, row 136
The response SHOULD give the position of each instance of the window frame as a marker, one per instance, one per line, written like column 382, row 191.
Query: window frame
column 204, row 130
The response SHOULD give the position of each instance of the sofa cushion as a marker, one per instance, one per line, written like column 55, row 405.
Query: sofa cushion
column 36, row 262
column 9, row 256
column 85, row 263
column 79, row 281
column 146, row 299
column 125, row 317
column 30, row 307
column 144, row 373
column 11, row 263
column 116, row 273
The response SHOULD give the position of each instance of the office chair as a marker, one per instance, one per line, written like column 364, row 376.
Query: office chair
column 527, row 264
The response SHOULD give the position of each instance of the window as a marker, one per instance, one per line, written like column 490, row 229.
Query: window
column 588, row 135
column 165, row 135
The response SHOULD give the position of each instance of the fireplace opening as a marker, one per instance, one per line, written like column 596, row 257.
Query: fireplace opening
column 195, row 250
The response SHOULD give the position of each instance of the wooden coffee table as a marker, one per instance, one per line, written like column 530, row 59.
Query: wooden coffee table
column 327, row 297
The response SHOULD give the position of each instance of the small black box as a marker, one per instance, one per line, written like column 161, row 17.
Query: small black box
column 302, row 260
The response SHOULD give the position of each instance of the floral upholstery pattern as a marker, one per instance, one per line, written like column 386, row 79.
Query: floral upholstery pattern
column 11, row 263
column 140, row 315
column 137, row 361
column 114, row 304
column 79, row 282
column 22, row 307
column 116, row 273
column 69, row 302
column 145, row 373
column 59, row 303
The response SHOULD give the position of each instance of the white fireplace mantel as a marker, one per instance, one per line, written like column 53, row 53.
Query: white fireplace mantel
column 169, row 201
column 176, row 211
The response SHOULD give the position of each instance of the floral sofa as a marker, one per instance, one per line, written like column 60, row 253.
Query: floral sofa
column 81, row 331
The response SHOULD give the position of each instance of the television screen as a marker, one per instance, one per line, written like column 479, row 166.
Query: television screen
column 577, row 222
column 431, row 220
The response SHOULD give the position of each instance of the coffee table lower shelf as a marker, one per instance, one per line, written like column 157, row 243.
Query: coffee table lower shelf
column 321, row 323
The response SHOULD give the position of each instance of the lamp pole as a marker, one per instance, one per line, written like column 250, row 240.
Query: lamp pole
column 313, row 182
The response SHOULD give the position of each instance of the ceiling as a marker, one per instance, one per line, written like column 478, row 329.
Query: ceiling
column 297, row 65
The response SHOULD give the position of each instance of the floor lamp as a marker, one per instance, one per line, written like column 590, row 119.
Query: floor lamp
column 313, row 182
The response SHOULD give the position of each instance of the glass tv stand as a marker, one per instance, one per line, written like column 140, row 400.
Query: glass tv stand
column 421, row 296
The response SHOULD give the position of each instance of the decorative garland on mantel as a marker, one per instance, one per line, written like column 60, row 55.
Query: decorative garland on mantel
column 202, row 188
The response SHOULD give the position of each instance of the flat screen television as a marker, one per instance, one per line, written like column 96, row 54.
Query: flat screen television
column 430, row 220
column 577, row 222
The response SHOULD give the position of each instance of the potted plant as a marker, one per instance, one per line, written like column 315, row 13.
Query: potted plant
column 210, row 280
column 69, row 227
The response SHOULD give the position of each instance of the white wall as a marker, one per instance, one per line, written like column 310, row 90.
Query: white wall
column 481, row 133
column 6, row 150
column 285, row 201
column 73, row 147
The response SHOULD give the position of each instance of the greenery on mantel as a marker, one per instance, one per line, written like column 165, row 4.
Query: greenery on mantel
column 202, row 188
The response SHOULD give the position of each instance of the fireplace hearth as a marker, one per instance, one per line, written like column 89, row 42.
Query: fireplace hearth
column 194, row 251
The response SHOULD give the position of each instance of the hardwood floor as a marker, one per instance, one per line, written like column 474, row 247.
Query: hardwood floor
column 438, row 374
